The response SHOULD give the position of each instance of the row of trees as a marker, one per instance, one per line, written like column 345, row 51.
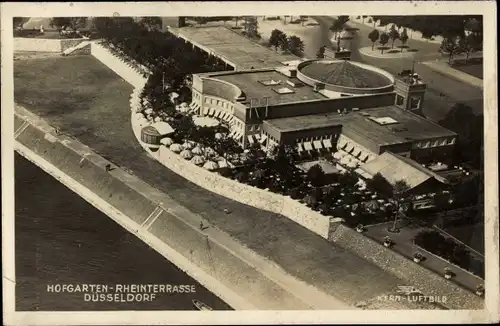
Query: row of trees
column 170, row 59
column 19, row 22
column 450, row 250
column 293, row 44
column 429, row 26
column 74, row 23
column 393, row 35
column 464, row 44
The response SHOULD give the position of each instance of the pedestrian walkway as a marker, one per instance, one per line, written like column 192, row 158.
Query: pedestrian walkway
column 404, row 245
column 443, row 68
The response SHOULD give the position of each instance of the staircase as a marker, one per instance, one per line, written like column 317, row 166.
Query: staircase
column 80, row 48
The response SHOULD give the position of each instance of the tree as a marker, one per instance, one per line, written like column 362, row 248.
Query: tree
column 441, row 202
column 471, row 43
column 469, row 127
column 451, row 46
column 252, row 27
column 380, row 184
column 393, row 35
column 74, row 23
column 19, row 21
column 184, row 127
column 399, row 194
column 276, row 38
column 403, row 38
column 384, row 39
column 373, row 36
column 316, row 175
column 241, row 177
column 152, row 23
column 295, row 45
column 302, row 19
column 321, row 52
column 338, row 25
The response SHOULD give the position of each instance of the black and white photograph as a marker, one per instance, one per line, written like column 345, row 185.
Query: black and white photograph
column 326, row 164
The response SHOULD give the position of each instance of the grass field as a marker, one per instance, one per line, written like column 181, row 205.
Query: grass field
column 472, row 236
column 475, row 69
column 59, row 87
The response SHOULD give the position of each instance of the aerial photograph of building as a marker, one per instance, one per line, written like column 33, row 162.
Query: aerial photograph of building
column 249, row 162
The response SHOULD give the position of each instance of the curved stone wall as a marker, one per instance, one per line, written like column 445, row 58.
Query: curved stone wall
column 245, row 194
column 347, row 90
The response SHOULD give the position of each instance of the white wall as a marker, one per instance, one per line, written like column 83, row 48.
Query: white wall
column 36, row 45
column 30, row 44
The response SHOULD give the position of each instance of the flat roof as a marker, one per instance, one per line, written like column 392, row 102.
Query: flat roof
column 250, row 82
column 360, row 128
column 234, row 47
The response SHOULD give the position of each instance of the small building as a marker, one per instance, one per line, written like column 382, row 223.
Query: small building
column 153, row 134
column 396, row 168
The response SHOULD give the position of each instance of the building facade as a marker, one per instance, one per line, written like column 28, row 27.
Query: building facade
column 322, row 106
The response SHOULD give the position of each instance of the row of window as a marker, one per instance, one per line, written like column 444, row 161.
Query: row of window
column 252, row 128
column 435, row 143
column 220, row 103
column 272, row 140
column 414, row 101
column 324, row 137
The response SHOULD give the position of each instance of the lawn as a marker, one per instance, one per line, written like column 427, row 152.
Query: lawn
column 473, row 69
column 42, row 85
column 472, row 236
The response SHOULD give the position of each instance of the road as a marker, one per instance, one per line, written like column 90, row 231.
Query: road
column 442, row 91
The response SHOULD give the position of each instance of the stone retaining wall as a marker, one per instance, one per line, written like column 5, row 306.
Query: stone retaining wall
column 245, row 194
column 123, row 193
column 416, row 275
column 28, row 44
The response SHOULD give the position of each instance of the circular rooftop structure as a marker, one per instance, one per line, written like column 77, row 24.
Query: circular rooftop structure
column 346, row 76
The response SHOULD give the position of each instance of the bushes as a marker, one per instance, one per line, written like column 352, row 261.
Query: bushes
column 27, row 33
column 450, row 250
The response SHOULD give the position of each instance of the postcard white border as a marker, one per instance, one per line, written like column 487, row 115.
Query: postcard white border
column 486, row 8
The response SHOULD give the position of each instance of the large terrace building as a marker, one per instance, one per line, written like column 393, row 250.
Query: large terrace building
column 323, row 106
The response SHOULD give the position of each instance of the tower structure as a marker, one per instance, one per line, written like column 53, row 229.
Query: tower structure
column 410, row 92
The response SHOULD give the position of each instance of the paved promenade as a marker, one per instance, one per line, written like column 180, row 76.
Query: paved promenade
column 443, row 68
